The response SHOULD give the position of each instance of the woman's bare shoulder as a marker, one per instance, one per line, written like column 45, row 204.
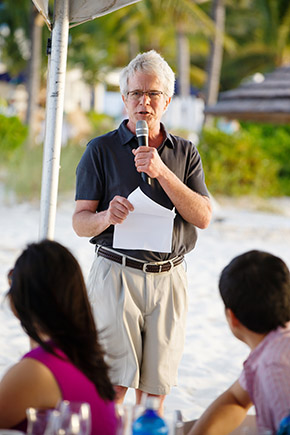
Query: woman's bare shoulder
column 27, row 383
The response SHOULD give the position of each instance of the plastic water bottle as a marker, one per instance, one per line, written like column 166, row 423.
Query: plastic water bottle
column 150, row 423
column 284, row 427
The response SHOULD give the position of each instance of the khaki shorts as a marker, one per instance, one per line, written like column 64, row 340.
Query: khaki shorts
column 141, row 317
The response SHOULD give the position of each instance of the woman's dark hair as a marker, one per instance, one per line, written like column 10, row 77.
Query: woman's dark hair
column 49, row 296
column 256, row 287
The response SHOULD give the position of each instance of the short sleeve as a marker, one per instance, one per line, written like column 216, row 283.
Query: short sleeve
column 276, row 391
column 195, row 178
column 89, row 175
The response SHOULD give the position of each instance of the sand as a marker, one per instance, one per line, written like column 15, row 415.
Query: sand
column 212, row 358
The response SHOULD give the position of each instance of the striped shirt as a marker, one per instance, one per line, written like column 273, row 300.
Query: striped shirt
column 266, row 378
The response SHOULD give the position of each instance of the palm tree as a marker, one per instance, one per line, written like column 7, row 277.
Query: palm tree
column 22, row 51
column 34, row 76
column 216, row 55
column 164, row 25
column 261, row 30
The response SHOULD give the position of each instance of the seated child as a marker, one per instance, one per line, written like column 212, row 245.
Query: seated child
column 49, row 297
column 255, row 288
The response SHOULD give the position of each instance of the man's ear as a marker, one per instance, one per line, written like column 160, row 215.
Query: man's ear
column 232, row 319
column 168, row 100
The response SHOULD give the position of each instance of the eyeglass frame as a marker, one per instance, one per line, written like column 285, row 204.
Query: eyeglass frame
column 156, row 94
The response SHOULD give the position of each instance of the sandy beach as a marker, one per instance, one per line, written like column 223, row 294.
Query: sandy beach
column 212, row 358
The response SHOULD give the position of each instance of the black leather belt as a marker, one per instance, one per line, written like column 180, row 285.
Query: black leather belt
column 146, row 267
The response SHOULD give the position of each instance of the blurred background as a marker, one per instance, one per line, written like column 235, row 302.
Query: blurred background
column 213, row 46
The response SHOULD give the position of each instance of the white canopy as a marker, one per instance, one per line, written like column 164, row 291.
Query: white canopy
column 84, row 10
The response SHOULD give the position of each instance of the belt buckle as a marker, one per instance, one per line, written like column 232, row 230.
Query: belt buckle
column 144, row 267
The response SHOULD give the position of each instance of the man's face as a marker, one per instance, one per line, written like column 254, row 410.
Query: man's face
column 144, row 107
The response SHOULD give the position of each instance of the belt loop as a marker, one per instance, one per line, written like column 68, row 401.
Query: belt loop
column 97, row 249
column 123, row 260
column 171, row 264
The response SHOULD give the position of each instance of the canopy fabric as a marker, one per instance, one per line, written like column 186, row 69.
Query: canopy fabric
column 42, row 6
column 83, row 10
column 265, row 101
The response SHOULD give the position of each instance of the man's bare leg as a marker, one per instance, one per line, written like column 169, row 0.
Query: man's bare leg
column 161, row 398
column 120, row 393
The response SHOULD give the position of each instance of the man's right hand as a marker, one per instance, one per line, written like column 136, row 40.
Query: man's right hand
column 87, row 222
column 118, row 210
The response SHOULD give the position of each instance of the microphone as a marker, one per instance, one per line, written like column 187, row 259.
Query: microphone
column 142, row 136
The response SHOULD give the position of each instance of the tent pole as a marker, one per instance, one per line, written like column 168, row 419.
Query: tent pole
column 54, row 119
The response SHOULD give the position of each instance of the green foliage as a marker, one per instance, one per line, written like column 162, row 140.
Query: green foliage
column 101, row 123
column 24, row 173
column 275, row 142
column 69, row 159
column 23, row 170
column 237, row 164
column 254, row 160
column 13, row 134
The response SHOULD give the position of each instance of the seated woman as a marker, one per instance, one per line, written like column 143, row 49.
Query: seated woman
column 48, row 295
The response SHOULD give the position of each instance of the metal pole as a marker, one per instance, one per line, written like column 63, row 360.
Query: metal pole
column 54, row 114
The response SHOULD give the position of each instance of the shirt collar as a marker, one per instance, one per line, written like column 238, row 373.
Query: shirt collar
column 255, row 353
column 126, row 135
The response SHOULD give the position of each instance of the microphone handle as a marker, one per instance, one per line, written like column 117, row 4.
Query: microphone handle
column 143, row 141
column 145, row 178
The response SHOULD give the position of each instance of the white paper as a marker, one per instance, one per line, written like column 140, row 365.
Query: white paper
column 148, row 227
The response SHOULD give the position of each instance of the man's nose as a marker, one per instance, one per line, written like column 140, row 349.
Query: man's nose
column 147, row 98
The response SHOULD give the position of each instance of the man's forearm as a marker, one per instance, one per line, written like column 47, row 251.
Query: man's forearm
column 193, row 207
column 225, row 414
column 219, row 421
column 88, row 224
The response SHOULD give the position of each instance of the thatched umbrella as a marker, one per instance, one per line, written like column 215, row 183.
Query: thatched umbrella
column 265, row 100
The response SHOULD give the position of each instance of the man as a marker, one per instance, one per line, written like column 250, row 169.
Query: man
column 255, row 288
column 139, row 297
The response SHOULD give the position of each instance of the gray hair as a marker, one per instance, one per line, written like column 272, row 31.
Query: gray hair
column 149, row 62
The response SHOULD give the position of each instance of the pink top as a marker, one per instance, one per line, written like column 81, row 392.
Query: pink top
column 266, row 378
column 75, row 386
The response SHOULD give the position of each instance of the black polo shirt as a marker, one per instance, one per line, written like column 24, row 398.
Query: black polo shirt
column 107, row 169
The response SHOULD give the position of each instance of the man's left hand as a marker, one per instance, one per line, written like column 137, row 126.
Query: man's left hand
column 148, row 160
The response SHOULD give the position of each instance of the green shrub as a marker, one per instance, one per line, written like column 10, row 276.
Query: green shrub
column 275, row 141
column 101, row 123
column 69, row 159
column 13, row 134
column 236, row 164
column 24, row 172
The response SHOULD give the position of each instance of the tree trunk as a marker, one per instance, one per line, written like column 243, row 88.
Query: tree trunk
column 183, row 62
column 34, row 75
column 215, row 57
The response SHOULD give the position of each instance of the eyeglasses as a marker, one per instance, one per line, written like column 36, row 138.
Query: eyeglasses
column 137, row 95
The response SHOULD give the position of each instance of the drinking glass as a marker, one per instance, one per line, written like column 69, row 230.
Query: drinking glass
column 37, row 420
column 11, row 432
column 126, row 414
column 75, row 417
column 247, row 430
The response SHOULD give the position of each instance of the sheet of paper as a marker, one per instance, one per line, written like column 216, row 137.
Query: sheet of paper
column 148, row 227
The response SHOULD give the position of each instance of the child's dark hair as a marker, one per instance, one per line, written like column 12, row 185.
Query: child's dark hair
column 256, row 287
column 49, row 296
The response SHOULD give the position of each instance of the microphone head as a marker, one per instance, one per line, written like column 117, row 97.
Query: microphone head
column 141, row 128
